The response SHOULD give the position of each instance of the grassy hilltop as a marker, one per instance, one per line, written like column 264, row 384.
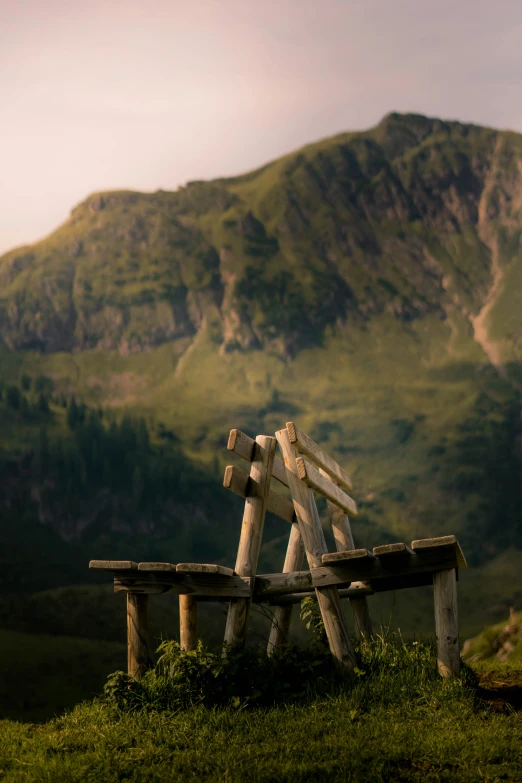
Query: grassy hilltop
column 367, row 286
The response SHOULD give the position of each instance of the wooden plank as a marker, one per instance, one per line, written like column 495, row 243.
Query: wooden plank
column 236, row 480
column 186, row 568
column 113, row 565
column 392, row 550
column 207, row 586
column 282, row 614
column 446, row 623
column 341, row 527
column 275, row 592
column 305, row 445
column 239, row 482
column 343, row 538
column 356, row 590
column 188, row 622
column 372, row 570
column 353, row 554
column 433, row 544
column 271, row 585
column 243, row 446
column 203, row 568
column 251, row 535
column 315, row 546
column 311, row 476
column 138, row 659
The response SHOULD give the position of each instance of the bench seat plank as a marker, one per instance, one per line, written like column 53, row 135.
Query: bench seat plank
column 113, row 565
column 392, row 550
column 204, row 568
column 348, row 554
column 340, row 568
column 430, row 545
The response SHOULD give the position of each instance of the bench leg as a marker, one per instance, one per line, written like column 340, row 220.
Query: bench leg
column 282, row 616
column 188, row 622
column 251, row 536
column 446, row 622
column 138, row 658
column 361, row 617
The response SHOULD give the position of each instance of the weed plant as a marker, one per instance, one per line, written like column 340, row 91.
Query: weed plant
column 388, row 671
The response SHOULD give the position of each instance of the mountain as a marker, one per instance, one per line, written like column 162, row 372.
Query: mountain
column 368, row 286
column 416, row 217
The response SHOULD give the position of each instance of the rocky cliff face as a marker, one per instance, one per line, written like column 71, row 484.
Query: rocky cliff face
column 415, row 216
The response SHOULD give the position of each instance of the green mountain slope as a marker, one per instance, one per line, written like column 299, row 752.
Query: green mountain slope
column 365, row 286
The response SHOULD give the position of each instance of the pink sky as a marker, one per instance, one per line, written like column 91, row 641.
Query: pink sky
column 146, row 95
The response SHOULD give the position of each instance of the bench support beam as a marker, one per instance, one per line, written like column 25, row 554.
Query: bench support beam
column 188, row 622
column 446, row 622
column 138, row 658
column 251, row 536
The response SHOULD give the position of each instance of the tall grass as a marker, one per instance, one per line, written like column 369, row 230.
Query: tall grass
column 395, row 720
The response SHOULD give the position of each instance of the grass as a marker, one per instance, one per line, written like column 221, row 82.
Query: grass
column 397, row 721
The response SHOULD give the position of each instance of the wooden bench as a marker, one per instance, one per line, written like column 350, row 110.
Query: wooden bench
column 306, row 470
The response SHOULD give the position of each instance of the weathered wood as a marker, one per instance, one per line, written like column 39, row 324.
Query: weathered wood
column 203, row 568
column 273, row 588
column 311, row 476
column 305, row 445
column 282, row 614
column 446, row 622
column 185, row 568
column 361, row 616
column 207, row 586
column 188, row 622
column 315, row 546
column 356, row 590
column 343, row 537
column 243, row 446
column 366, row 569
column 391, row 550
column 270, row 585
column 352, row 554
column 251, row 535
column 429, row 545
column 341, row 527
column 138, row 658
column 113, row 565
column 161, row 567
column 239, row 482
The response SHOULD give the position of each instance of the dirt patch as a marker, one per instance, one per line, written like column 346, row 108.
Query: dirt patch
column 501, row 690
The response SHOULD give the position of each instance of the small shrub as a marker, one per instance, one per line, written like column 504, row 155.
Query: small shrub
column 242, row 678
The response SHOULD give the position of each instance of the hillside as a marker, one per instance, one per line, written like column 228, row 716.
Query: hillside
column 366, row 286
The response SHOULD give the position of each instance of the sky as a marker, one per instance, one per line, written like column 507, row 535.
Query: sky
column 149, row 94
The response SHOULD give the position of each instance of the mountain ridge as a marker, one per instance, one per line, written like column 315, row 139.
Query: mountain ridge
column 131, row 270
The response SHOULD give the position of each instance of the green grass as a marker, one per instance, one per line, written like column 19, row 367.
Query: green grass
column 397, row 721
